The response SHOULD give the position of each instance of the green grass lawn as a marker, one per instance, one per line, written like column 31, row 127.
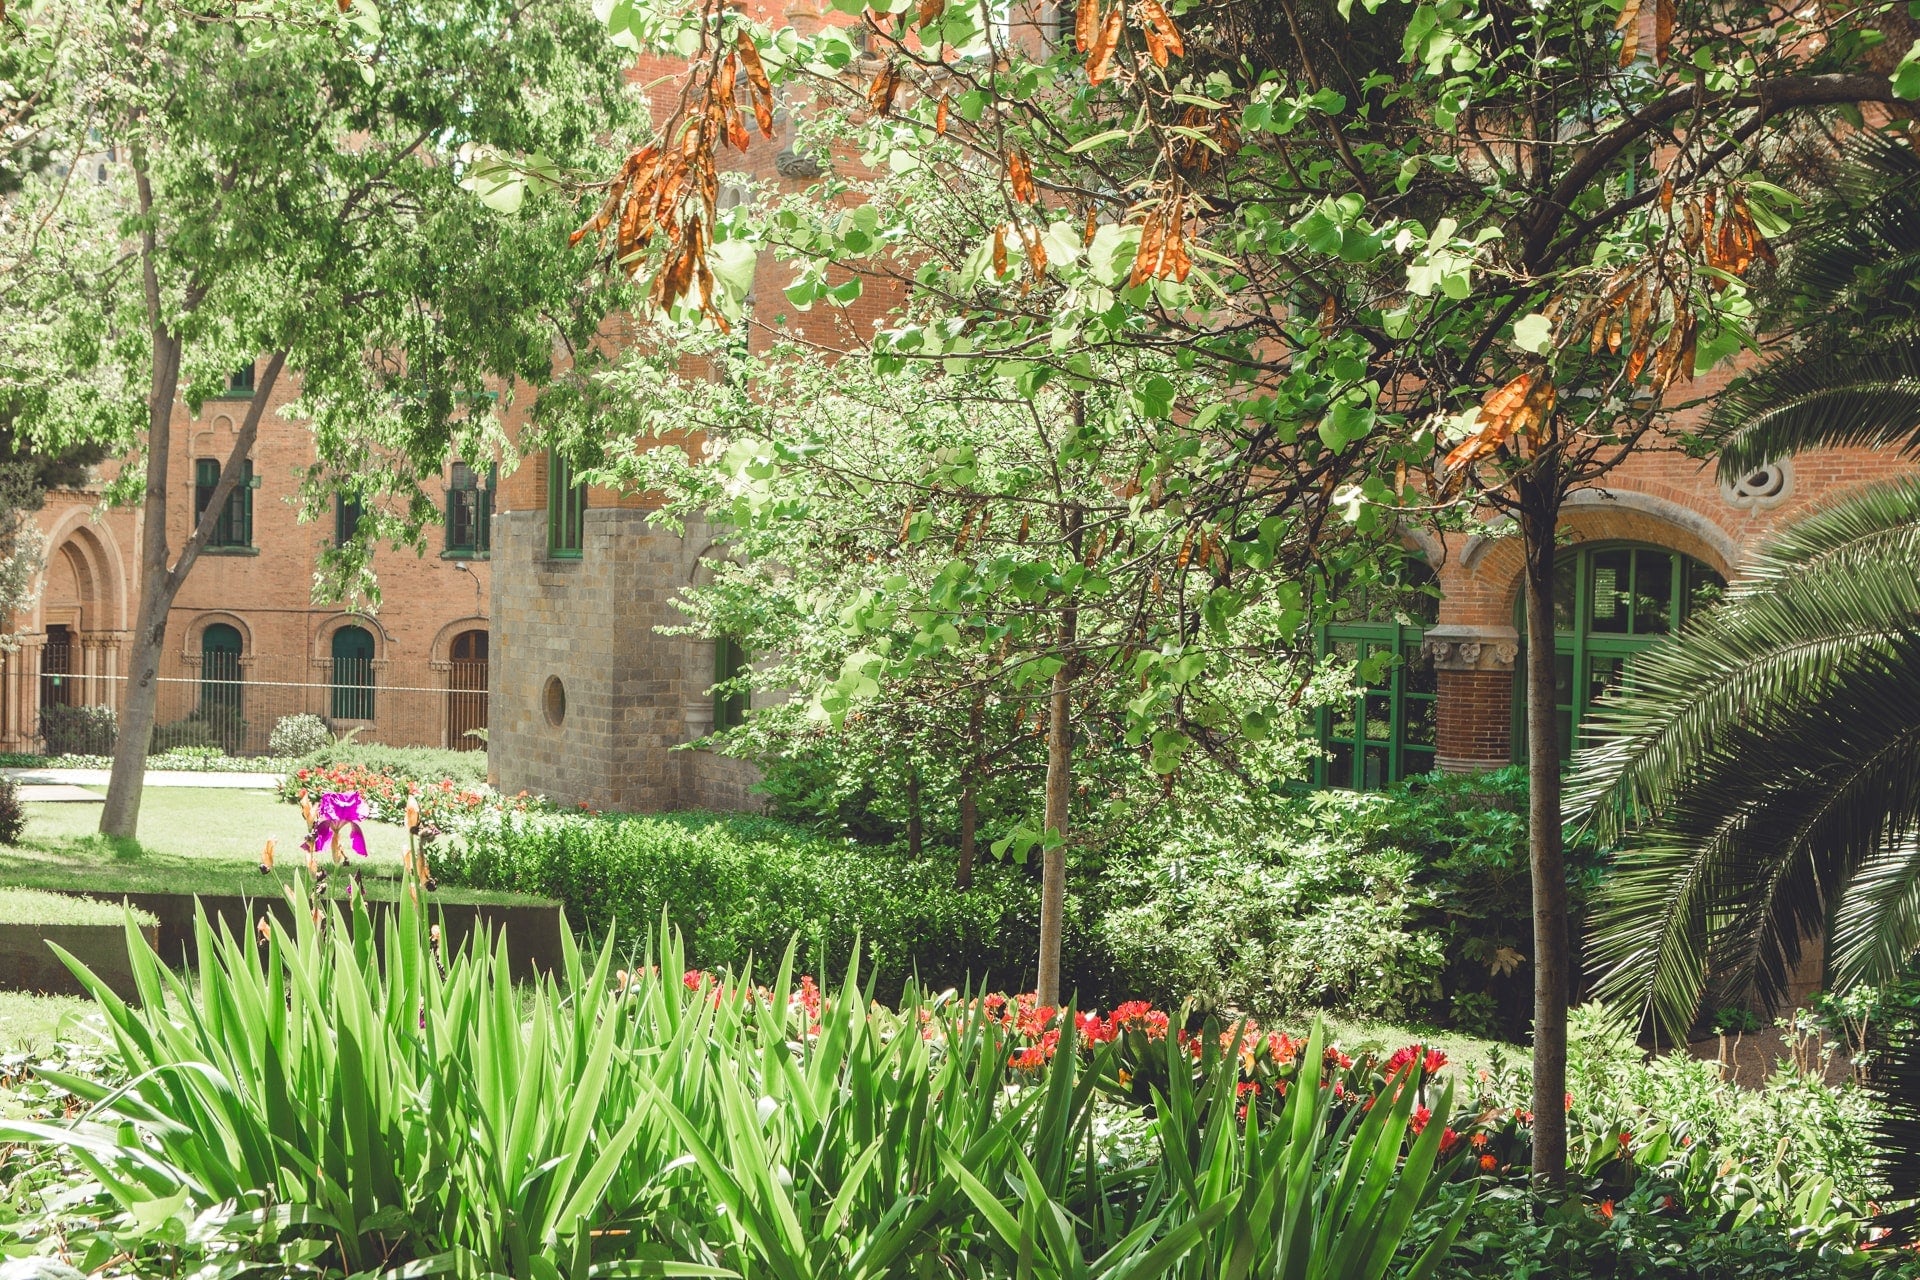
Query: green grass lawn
column 192, row 840
column 31, row 1023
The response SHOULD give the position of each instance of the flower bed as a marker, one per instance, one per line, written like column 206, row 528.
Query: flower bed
column 442, row 802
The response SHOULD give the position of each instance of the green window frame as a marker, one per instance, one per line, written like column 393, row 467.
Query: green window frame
column 1611, row 600
column 234, row 528
column 352, row 650
column 469, row 512
column 730, row 661
column 1386, row 730
column 566, row 510
column 240, row 383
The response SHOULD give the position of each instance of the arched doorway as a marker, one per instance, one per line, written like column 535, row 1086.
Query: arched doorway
column 221, row 692
column 1610, row 601
column 467, row 692
column 352, row 674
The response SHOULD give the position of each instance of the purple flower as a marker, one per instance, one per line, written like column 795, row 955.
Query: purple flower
column 339, row 810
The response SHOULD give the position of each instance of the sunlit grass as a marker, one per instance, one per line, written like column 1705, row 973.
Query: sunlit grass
column 192, row 840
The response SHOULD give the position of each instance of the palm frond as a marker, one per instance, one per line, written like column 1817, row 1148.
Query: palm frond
column 1896, row 1135
column 1773, row 822
column 1876, row 923
column 1848, row 369
column 1814, row 400
column 1834, row 591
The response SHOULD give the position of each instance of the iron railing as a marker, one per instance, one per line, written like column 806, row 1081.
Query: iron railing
column 233, row 702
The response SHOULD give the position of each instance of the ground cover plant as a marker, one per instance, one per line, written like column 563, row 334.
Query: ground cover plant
column 640, row 1122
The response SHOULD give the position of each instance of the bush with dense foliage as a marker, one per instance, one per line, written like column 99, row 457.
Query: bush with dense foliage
column 13, row 814
column 78, row 730
column 299, row 735
column 1298, row 916
column 1412, row 904
column 627, row 1122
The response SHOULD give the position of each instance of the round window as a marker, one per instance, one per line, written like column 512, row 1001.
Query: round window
column 554, row 699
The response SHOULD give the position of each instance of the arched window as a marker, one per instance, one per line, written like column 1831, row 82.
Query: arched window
column 1610, row 601
column 220, row 687
column 352, row 674
column 1385, row 731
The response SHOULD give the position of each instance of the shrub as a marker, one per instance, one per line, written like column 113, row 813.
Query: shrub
column 78, row 730
column 743, row 887
column 299, row 735
column 1467, row 835
column 220, row 728
column 13, row 814
column 1291, row 925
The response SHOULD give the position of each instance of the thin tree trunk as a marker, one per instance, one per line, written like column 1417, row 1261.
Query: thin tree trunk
column 159, row 583
column 916, row 829
column 969, row 825
column 1539, row 515
column 1053, row 867
column 969, row 795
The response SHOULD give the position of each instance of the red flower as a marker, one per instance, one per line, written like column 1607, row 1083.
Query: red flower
column 1488, row 1164
column 1419, row 1119
column 1448, row 1140
column 1605, row 1210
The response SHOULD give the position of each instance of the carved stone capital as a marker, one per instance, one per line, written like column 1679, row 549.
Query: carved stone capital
column 1460, row 648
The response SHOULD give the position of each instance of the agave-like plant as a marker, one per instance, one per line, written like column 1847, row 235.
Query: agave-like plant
column 342, row 1099
column 1762, row 770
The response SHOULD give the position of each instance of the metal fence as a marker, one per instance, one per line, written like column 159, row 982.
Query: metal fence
column 234, row 702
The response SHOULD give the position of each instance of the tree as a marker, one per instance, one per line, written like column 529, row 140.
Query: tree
column 1764, row 768
column 1370, row 234
column 953, row 557
column 296, row 192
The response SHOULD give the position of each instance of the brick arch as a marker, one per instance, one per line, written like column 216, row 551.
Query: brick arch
column 322, row 650
column 89, row 551
column 1489, row 569
column 197, row 628
column 441, row 650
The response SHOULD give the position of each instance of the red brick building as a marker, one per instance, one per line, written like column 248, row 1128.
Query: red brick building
column 245, row 643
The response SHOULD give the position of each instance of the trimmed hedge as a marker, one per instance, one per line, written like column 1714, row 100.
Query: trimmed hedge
column 745, row 886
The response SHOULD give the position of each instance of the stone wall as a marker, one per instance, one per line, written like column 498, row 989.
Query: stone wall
column 588, row 699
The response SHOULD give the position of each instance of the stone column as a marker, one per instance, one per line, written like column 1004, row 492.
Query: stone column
column 1473, row 676
column 113, row 644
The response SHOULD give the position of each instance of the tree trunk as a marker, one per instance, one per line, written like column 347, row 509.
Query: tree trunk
column 969, row 824
column 159, row 583
column 916, row 829
column 1539, row 516
column 969, row 795
column 1053, row 867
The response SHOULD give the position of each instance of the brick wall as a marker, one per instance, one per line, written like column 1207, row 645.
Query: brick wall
column 1475, row 714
